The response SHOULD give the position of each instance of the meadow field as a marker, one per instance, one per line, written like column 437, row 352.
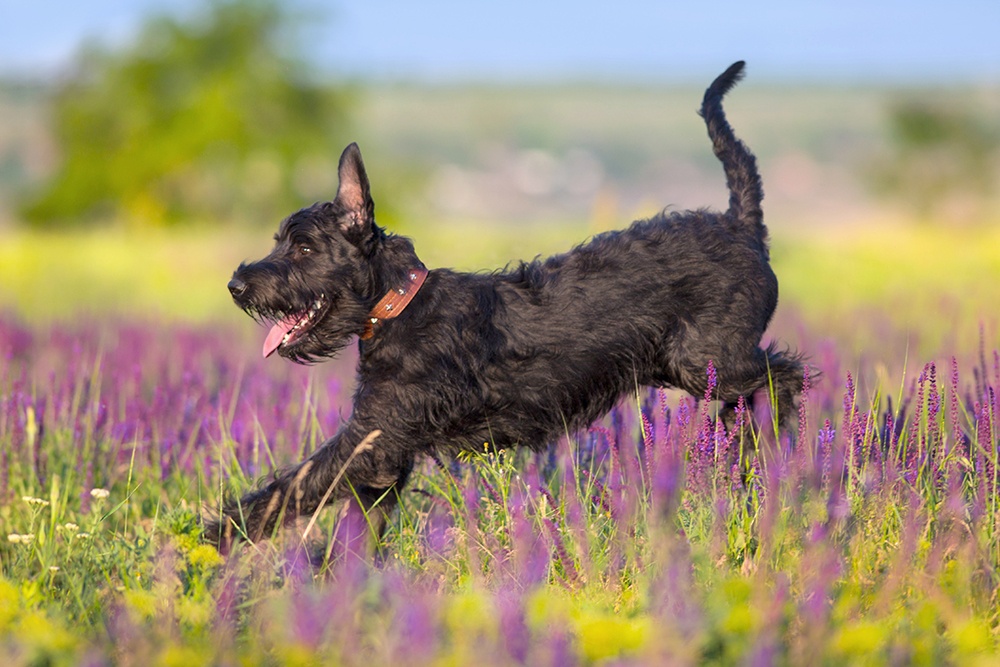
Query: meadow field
column 133, row 398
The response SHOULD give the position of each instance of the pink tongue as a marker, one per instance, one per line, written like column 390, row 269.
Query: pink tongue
column 277, row 334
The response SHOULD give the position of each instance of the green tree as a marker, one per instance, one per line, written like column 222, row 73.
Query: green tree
column 205, row 118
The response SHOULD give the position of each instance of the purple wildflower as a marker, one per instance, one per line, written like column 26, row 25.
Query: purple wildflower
column 956, row 430
column 415, row 620
column 514, row 632
column 531, row 555
column 562, row 556
column 933, row 407
column 610, row 442
column 712, row 381
column 647, row 446
column 661, row 395
column 803, row 404
column 436, row 531
column 985, row 451
column 849, row 406
column 826, row 437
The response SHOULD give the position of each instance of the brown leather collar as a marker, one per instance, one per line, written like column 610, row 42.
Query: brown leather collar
column 394, row 301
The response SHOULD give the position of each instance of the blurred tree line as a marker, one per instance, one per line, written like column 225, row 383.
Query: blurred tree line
column 218, row 117
column 944, row 160
column 212, row 117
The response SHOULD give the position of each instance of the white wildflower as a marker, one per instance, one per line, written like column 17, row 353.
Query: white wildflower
column 100, row 494
column 35, row 501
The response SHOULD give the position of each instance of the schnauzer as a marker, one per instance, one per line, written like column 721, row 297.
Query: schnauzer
column 449, row 360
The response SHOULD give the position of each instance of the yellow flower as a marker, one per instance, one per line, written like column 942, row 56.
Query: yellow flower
column 604, row 636
column 10, row 604
column 197, row 613
column 142, row 603
column 181, row 656
column 42, row 633
column 31, row 427
column 205, row 555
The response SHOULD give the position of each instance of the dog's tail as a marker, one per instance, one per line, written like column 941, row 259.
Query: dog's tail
column 745, row 189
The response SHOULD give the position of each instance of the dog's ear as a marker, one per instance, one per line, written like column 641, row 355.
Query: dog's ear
column 353, row 193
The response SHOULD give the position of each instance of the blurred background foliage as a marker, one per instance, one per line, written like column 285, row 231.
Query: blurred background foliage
column 207, row 118
column 219, row 116
column 136, row 180
column 944, row 159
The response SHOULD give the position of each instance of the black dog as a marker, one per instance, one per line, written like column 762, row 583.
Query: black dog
column 513, row 357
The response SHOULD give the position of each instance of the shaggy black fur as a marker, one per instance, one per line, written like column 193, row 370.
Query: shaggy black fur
column 517, row 356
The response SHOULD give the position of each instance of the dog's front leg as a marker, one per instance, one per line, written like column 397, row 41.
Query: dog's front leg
column 354, row 462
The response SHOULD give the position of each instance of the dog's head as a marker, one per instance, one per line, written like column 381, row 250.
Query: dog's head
column 327, row 266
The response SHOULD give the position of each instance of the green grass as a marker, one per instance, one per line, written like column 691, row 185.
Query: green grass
column 49, row 276
column 909, row 270
column 924, row 278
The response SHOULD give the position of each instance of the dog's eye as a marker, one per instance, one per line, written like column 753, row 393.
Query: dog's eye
column 304, row 250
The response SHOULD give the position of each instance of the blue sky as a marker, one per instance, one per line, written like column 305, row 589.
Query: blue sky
column 848, row 40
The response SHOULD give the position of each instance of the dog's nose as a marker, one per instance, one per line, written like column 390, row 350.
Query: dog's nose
column 237, row 287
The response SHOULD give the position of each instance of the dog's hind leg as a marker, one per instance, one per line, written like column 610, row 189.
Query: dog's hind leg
column 778, row 372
